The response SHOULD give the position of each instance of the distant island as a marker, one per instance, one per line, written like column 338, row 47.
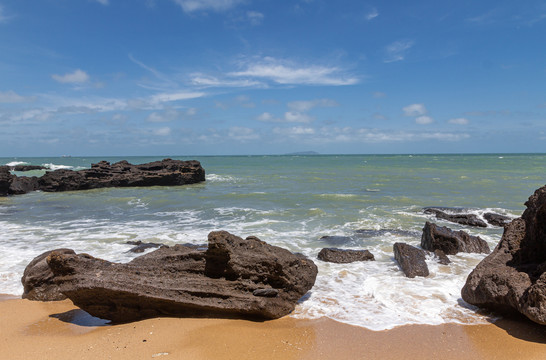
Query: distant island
column 304, row 153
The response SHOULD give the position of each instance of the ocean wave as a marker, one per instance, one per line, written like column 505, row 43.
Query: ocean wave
column 15, row 163
column 57, row 167
column 221, row 178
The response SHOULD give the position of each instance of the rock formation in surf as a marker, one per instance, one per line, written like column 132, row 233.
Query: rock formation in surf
column 167, row 172
column 411, row 260
column 513, row 276
column 233, row 278
column 451, row 242
column 342, row 256
column 463, row 219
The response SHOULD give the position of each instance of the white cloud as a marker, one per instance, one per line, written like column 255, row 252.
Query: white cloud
column 163, row 131
column 397, row 50
column 76, row 77
column 165, row 116
column 294, row 116
column 255, row 17
column 265, row 117
column 303, row 106
column 372, row 14
column 10, row 96
column 458, row 121
column 288, row 73
column 424, row 120
column 239, row 133
column 203, row 5
column 175, row 96
column 294, row 131
column 199, row 79
column 414, row 110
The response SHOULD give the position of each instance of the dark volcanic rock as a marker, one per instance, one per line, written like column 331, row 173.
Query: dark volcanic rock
column 411, row 260
column 232, row 278
column 5, row 180
column 496, row 219
column 38, row 281
column 341, row 256
column 140, row 247
column 513, row 276
column 122, row 174
column 463, row 219
column 451, row 242
column 23, row 184
column 28, row 167
column 442, row 257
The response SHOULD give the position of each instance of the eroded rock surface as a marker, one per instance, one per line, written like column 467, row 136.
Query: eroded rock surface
column 234, row 277
column 497, row 219
column 463, row 219
column 513, row 276
column 342, row 256
column 411, row 260
column 451, row 242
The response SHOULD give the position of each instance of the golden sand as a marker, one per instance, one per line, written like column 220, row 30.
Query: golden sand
column 59, row 330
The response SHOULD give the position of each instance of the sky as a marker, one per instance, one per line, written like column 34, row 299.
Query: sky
column 238, row 77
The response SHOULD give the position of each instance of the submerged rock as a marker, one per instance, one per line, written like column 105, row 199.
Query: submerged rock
column 463, row 219
column 451, row 242
column 411, row 260
column 38, row 279
column 341, row 256
column 140, row 247
column 513, row 276
column 233, row 278
column 441, row 257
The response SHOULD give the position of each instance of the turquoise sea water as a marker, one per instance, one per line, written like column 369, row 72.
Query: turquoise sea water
column 290, row 201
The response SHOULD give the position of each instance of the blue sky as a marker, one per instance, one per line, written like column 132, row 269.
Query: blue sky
column 196, row 77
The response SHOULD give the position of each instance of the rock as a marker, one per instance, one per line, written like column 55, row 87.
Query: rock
column 451, row 242
column 38, row 281
column 28, row 167
column 337, row 240
column 140, row 247
column 411, row 260
column 123, row 174
column 233, row 278
column 5, row 180
column 341, row 256
column 497, row 219
column 442, row 257
column 463, row 219
column 513, row 276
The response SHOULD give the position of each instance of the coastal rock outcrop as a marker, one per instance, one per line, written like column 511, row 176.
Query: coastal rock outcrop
column 28, row 167
column 233, row 277
column 451, row 242
column 463, row 219
column 38, row 279
column 166, row 172
column 411, row 260
column 341, row 256
column 496, row 219
column 513, row 276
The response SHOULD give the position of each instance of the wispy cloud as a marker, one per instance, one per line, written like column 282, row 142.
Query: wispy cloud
column 254, row 17
column 288, row 73
column 103, row 2
column 3, row 17
column 190, row 6
column 458, row 121
column 203, row 80
column 288, row 117
column 165, row 81
column 372, row 14
column 424, row 120
column 76, row 77
column 414, row 110
column 175, row 96
column 242, row 134
column 303, row 106
column 10, row 97
column 397, row 50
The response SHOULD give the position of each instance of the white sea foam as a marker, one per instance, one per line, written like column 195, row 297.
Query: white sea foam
column 57, row 167
column 221, row 178
column 15, row 163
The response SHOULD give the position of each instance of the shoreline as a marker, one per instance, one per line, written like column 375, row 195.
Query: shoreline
column 59, row 330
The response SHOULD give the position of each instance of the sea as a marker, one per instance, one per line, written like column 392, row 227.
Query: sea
column 292, row 201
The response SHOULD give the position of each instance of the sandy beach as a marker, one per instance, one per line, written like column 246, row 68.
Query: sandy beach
column 59, row 330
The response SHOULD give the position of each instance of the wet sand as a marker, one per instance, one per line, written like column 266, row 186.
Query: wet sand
column 59, row 330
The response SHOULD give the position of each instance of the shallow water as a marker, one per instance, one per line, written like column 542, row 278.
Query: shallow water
column 290, row 201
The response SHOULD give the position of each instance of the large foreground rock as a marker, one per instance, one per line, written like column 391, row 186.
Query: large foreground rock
column 166, row 172
column 344, row 256
column 451, row 242
column 232, row 278
column 513, row 276
column 411, row 260
column 38, row 279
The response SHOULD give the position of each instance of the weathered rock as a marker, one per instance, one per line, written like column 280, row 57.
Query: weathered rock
column 28, row 167
column 140, row 247
column 411, row 260
column 5, row 180
column 463, row 219
column 451, row 242
column 23, row 184
column 341, row 256
column 496, row 219
column 123, row 174
column 38, row 280
column 232, row 278
column 441, row 257
column 513, row 276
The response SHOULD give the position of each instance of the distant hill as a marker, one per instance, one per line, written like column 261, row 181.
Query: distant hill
column 304, row 153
